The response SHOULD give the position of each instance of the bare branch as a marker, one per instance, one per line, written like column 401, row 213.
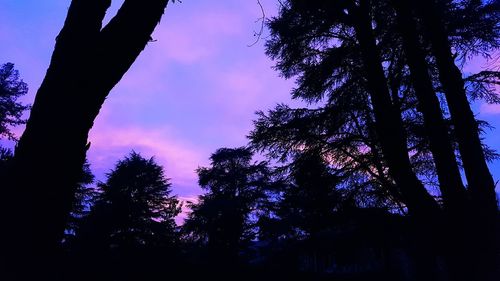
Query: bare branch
column 262, row 21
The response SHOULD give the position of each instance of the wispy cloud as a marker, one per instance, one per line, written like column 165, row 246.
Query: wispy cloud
column 191, row 91
column 178, row 157
column 490, row 109
column 197, row 36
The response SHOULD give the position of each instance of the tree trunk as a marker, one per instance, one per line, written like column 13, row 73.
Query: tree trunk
column 422, row 207
column 451, row 186
column 479, row 179
column 388, row 122
column 481, row 187
column 450, row 181
column 87, row 62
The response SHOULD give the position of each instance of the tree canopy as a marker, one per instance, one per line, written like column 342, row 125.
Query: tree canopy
column 383, row 172
column 135, row 207
column 12, row 87
column 223, row 218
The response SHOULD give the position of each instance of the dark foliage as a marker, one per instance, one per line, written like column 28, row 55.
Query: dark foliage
column 12, row 88
column 367, row 183
column 223, row 219
column 90, row 57
column 351, row 147
column 85, row 197
column 5, row 156
column 134, row 208
column 375, row 67
column 306, row 205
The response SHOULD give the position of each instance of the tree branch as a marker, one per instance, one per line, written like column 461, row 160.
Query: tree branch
column 262, row 21
column 125, row 37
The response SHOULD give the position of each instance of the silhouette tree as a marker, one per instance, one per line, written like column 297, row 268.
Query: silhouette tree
column 306, row 205
column 135, row 208
column 384, row 54
column 85, row 196
column 450, row 182
column 332, row 48
column 222, row 217
column 464, row 29
column 89, row 59
column 5, row 156
column 472, row 29
column 12, row 87
column 484, row 19
column 342, row 132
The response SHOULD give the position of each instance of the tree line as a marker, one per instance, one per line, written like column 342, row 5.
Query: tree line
column 388, row 137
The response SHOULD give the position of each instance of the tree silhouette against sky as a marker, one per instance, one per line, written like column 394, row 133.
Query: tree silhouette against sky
column 89, row 59
column 384, row 53
column 221, row 219
column 134, row 208
column 12, row 87
column 388, row 123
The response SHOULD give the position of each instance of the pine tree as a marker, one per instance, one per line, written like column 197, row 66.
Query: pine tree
column 12, row 87
column 89, row 59
column 394, row 56
column 135, row 208
column 85, row 197
column 310, row 202
column 222, row 218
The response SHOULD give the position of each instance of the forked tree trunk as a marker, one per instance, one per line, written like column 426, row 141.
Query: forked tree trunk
column 87, row 62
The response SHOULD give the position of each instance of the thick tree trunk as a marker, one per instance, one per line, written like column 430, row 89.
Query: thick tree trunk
column 450, row 181
column 389, row 124
column 87, row 62
column 421, row 205
column 481, row 187
column 479, row 179
column 451, row 186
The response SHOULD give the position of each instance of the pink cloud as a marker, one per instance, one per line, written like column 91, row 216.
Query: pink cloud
column 490, row 109
column 179, row 158
column 479, row 63
column 243, row 89
column 251, row 85
column 197, row 37
column 188, row 39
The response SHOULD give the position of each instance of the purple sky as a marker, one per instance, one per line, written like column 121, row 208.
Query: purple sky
column 192, row 91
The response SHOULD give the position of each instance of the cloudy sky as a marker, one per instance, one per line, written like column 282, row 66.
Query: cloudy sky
column 193, row 90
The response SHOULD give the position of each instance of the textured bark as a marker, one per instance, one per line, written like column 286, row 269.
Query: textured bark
column 388, row 122
column 450, row 181
column 86, row 64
